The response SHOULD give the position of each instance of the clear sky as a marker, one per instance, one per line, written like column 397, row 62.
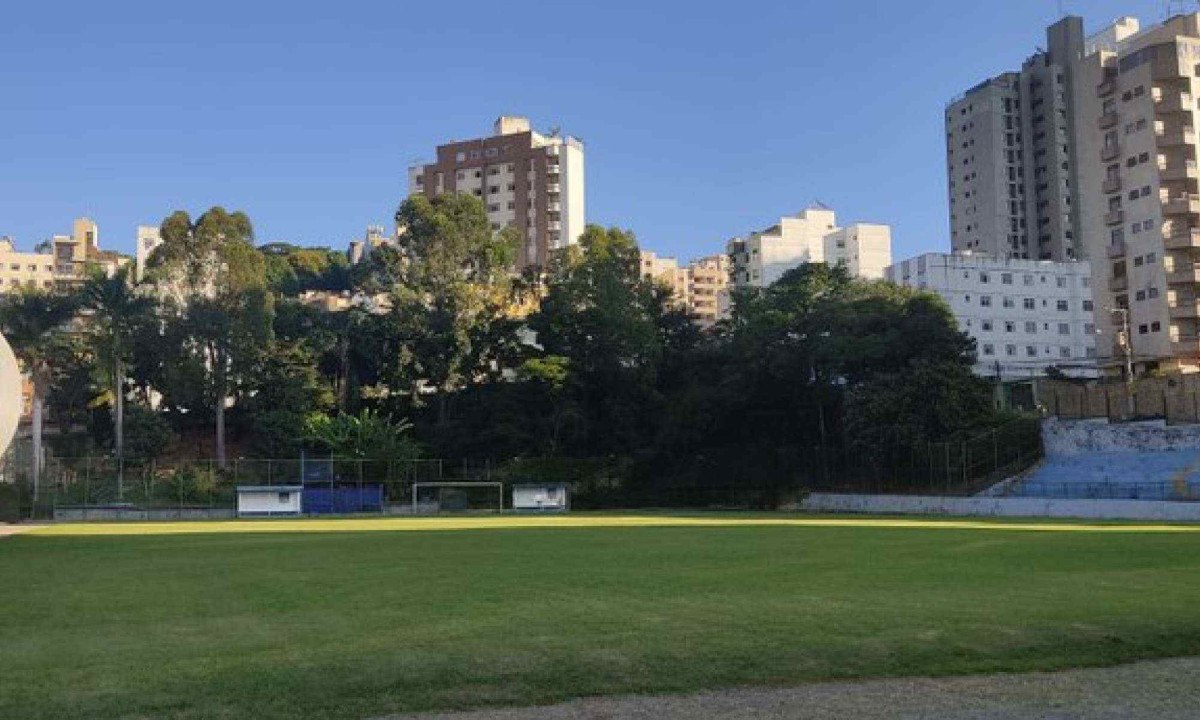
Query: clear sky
column 701, row 120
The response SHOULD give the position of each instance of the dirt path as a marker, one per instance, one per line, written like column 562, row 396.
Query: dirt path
column 6, row 530
column 1161, row 689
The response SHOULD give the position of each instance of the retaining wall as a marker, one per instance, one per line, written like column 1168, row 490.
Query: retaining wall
column 72, row 514
column 1074, row 437
column 1003, row 507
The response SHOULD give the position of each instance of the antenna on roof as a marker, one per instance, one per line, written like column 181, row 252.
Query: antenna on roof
column 556, row 131
column 821, row 205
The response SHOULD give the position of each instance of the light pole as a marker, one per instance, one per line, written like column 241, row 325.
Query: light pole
column 1126, row 339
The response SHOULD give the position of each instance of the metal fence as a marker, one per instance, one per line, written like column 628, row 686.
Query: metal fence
column 96, row 486
column 1173, row 399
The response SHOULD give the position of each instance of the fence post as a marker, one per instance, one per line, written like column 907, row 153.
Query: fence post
column 996, row 450
column 948, row 475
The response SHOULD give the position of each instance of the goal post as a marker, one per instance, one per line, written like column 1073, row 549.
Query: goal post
column 457, row 497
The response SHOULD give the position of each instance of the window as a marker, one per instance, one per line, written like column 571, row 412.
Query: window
column 1064, row 351
column 1028, row 279
column 1064, row 328
column 983, row 277
column 986, row 325
column 1063, row 306
column 985, row 300
column 1010, row 350
column 1010, row 326
column 460, row 174
column 1137, row 261
column 1006, row 278
column 989, row 350
column 1139, row 295
column 1155, row 326
column 1008, row 302
column 1143, row 329
column 493, row 189
column 1030, row 304
column 1031, row 327
column 460, row 157
column 1151, row 258
column 1031, row 351
column 1087, row 305
column 1061, row 281
column 284, row 497
column 1089, row 329
column 1152, row 293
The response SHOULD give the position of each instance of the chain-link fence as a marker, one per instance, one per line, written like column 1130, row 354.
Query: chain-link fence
column 104, row 487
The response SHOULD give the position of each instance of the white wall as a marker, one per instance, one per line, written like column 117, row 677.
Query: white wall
column 10, row 395
column 574, row 212
column 267, row 502
column 1003, row 507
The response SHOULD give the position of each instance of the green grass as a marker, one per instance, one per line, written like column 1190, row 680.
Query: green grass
column 263, row 620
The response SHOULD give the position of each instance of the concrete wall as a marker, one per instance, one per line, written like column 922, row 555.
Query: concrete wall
column 1074, row 437
column 1003, row 507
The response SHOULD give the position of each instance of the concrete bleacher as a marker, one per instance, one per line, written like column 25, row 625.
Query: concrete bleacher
column 1094, row 460
column 1125, row 475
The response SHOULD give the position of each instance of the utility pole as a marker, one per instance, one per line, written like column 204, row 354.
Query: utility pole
column 1125, row 338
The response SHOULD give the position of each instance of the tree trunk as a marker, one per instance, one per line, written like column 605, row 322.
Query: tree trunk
column 35, row 463
column 221, row 431
column 119, row 425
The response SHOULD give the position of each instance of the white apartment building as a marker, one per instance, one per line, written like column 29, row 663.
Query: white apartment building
column 528, row 180
column 374, row 239
column 1139, row 189
column 1025, row 315
column 812, row 236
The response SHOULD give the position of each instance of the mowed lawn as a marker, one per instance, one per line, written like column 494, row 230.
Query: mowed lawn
column 347, row 619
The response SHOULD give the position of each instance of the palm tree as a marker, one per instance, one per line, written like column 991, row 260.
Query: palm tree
column 32, row 320
column 115, row 309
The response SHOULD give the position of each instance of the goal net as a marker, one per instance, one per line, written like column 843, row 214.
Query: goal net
column 430, row 498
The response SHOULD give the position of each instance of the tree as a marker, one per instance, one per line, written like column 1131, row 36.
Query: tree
column 286, row 390
column 33, row 320
column 214, row 280
column 116, row 310
column 453, row 280
column 366, row 436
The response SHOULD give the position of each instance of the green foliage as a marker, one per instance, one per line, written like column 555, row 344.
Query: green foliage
column 366, row 436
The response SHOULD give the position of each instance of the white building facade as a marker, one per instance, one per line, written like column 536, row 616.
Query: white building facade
column 1024, row 315
column 812, row 236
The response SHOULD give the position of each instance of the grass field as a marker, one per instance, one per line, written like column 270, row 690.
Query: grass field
column 352, row 619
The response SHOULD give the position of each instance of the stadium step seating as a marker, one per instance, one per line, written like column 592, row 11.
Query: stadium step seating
column 1129, row 475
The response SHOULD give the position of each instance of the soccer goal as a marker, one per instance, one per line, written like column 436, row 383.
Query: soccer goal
column 457, row 497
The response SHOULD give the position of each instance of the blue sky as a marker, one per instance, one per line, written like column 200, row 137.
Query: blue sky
column 700, row 122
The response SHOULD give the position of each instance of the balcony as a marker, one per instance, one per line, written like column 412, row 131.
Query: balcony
column 1118, row 284
column 1184, row 275
column 1116, row 249
column 1174, row 102
column 1106, row 88
column 554, row 206
column 1107, row 120
column 1182, row 240
column 1182, row 205
column 1110, row 152
column 553, row 225
column 552, row 168
column 1114, row 217
column 1111, row 185
column 1185, row 346
column 1175, row 137
column 1185, row 309
column 1184, row 171
column 553, row 188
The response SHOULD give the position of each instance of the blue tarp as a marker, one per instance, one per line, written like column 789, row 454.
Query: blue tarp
column 343, row 500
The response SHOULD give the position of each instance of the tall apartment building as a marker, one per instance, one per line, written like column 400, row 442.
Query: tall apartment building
column 1025, row 315
column 666, row 271
column 708, row 279
column 57, row 262
column 761, row 258
column 529, row 180
column 695, row 287
column 1139, row 190
column 1011, row 157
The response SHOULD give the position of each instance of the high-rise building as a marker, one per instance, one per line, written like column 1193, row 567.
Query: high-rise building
column 148, row 240
column 1025, row 315
column 666, row 271
column 1011, row 158
column 1139, row 191
column 761, row 258
column 528, row 180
